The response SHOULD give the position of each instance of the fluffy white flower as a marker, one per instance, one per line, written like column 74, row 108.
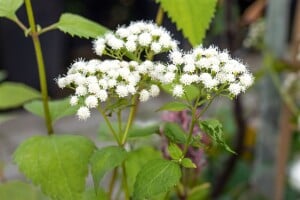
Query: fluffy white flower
column 294, row 175
column 81, row 91
column 235, row 88
column 186, row 79
column 130, row 46
column 122, row 91
column 131, row 89
column 62, row 83
column 154, row 90
column 115, row 43
column 176, row 57
column 91, row 101
column 246, row 79
column 122, row 32
column 178, row 91
column 168, row 77
column 190, row 67
column 171, row 68
column 74, row 100
column 223, row 77
column 102, row 95
column 207, row 80
column 144, row 95
column 93, row 88
column 99, row 46
column 145, row 39
column 83, row 113
column 103, row 84
column 156, row 47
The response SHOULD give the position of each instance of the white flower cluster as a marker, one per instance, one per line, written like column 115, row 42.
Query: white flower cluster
column 210, row 69
column 137, row 37
column 255, row 36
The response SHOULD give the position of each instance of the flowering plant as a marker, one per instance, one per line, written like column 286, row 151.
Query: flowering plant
column 129, row 76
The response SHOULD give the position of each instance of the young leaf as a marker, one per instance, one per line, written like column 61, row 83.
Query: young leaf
column 188, row 163
column 174, row 151
column 174, row 106
column 136, row 160
column 16, row 94
column 175, row 133
column 155, row 177
column 16, row 190
column 191, row 16
column 8, row 8
column 58, row 108
column 76, row 25
column 215, row 130
column 57, row 163
column 106, row 159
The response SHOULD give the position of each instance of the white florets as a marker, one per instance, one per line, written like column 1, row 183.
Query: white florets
column 144, row 95
column 178, row 91
column 91, row 101
column 83, row 113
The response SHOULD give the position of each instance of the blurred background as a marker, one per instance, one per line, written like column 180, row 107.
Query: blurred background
column 262, row 126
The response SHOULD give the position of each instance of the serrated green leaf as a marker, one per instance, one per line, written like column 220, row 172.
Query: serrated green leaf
column 175, row 133
column 16, row 190
column 136, row 160
column 156, row 176
column 191, row 91
column 199, row 192
column 188, row 163
column 8, row 8
column 16, row 94
column 76, row 25
column 106, row 159
column 58, row 108
column 214, row 129
column 143, row 131
column 174, row 106
column 174, row 151
column 191, row 16
column 2, row 75
column 57, row 163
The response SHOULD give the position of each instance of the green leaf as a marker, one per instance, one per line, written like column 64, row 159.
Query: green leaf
column 57, row 163
column 191, row 91
column 136, row 160
column 174, row 106
column 8, row 8
column 174, row 151
column 157, row 176
column 16, row 94
column 142, row 131
column 199, row 192
column 91, row 194
column 2, row 75
column 191, row 16
column 106, row 159
column 214, row 129
column 76, row 25
column 188, row 163
column 16, row 190
column 58, row 108
column 175, row 133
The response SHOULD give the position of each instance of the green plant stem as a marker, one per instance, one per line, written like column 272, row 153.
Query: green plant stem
column 41, row 65
column 48, row 28
column 159, row 16
column 125, row 184
column 131, row 117
column 109, row 125
column 112, row 183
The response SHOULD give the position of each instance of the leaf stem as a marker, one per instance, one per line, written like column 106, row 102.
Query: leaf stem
column 20, row 24
column 125, row 184
column 112, row 183
column 48, row 28
column 109, row 125
column 41, row 65
column 131, row 117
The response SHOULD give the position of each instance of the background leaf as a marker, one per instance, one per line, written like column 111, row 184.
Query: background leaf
column 16, row 190
column 200, row 192
column 106, row 159
column 174, row 106
column 191, row 16
column 91, row 194
column 214, row 129
column 16, row 94
column 58, row 108
column 155, row 177
column 57, row 163
column 142, row 131
column 9, row 7
column 76, row 25
column 136, row 160
column 2, row 75
column 175, row 133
